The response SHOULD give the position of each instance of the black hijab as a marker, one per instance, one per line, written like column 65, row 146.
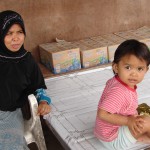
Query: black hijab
column 7, row 19
column 19, row 74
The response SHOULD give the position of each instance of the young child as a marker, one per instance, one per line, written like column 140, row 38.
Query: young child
column 118, row 125
column 19, row 77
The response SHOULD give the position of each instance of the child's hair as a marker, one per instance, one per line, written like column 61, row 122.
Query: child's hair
column 132, row 47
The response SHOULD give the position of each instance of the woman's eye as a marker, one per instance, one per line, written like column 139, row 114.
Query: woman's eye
column 20, row 31
column 9, row 33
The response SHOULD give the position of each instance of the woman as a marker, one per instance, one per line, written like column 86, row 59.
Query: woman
column 19, row 77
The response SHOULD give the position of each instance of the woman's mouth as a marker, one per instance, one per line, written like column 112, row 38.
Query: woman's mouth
column 16, row 46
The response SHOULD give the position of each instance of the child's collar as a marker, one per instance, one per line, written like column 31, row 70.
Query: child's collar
column 135, row 87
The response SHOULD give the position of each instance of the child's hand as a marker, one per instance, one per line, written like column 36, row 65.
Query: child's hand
column 43, row 108
column 135, row 124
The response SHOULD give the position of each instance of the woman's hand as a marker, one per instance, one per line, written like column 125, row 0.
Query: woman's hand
column 43, row 108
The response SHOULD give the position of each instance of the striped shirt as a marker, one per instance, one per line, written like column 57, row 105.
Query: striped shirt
column 117, row 98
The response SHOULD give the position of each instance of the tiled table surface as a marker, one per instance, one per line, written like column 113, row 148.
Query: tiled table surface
column 74, row 101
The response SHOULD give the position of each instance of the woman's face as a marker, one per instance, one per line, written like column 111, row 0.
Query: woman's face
column 14, row 38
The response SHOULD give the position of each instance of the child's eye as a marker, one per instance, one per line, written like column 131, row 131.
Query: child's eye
column 128, row 67
column 140, row 69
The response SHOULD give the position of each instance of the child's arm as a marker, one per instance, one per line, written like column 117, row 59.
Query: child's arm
column 131, row 121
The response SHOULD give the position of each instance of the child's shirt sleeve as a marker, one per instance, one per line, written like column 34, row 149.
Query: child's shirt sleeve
column 41, row 95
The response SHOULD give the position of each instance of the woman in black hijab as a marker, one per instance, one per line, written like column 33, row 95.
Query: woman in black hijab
column 19, row 77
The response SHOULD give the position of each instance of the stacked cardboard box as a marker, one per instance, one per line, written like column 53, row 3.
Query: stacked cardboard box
column 60, row 57
column 144, row 32
column 93, row 53
column 141, row 34
column 65, row 56
column 111, row 45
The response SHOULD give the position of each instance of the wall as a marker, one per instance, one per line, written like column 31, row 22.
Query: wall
column 76, row 19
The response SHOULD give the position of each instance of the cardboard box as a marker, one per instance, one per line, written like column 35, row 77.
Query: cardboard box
column 98, row 39
column 92, row 53
column 138, row 33
column 94, row 56
column 146, row 41
column 144, row 33
column 129, row 35
column 88, row 42
column 111, row 48
column 111, row 51
column 113, row 38
column 59, row 58
column 144, row 29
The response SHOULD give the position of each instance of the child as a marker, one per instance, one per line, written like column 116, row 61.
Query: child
column 118, row 125
column 19, row 77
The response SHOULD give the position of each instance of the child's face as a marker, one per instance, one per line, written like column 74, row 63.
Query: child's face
column 14, row 38
column 131, row 70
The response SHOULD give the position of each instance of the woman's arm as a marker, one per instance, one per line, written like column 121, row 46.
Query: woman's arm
column 44, row 102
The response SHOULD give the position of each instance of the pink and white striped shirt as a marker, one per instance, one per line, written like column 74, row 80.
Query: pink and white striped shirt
column 117, row 98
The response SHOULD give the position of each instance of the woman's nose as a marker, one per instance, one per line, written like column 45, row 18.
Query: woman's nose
column 15, row 37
